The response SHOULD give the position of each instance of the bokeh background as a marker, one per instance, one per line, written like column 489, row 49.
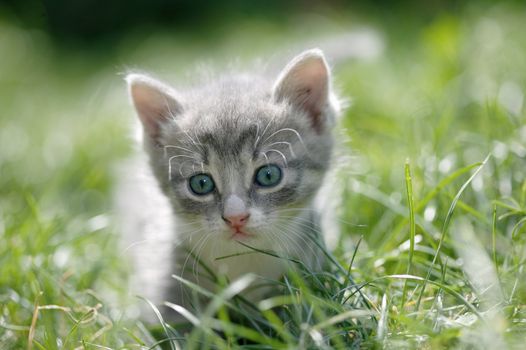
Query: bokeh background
column 443, row 88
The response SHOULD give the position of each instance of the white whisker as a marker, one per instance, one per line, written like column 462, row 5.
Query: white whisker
column 280, row 153
column 264, row 131
column 196, row 144
column 266, row 157
column 300, row 210
column 170, row 163
column 284, row 143
column 189, row 254
column 181, row 167
column 197, row 257
column 304, row 237
column 295, row 132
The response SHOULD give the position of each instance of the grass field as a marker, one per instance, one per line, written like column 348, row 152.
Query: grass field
column 433, row 243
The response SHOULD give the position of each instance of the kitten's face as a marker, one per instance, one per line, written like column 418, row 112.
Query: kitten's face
column 239, row 159
column 257, row 164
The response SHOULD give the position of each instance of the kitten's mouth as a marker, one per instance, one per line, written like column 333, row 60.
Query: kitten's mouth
column 240, row 235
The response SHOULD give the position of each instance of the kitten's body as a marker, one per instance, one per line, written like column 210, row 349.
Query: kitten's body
column 228, row 130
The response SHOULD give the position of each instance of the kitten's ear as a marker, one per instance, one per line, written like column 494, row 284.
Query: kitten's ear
column 154, row 102
column 305, row 82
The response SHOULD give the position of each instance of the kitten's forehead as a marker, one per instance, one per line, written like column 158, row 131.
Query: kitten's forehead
column 228, row 143
column 230, row 125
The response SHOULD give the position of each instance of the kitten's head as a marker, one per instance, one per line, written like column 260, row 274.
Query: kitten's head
column 242, row 156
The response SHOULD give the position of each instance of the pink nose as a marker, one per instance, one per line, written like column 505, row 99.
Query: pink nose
column 237, row 221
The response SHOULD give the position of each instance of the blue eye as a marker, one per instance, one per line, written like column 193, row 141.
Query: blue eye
column 268, row 175
column 201, row 184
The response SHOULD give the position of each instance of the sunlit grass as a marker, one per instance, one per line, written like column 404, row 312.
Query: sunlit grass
column 442, row 250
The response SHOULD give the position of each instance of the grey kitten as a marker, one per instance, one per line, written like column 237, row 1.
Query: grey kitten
column 235, row 163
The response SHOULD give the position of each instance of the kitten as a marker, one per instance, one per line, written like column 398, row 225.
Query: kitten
column 235, row 163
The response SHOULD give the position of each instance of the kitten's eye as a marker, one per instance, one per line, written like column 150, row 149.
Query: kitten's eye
column 201, row 184
column 268, row 175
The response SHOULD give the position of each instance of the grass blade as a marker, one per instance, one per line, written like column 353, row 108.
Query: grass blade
column 412, row 228
column 449, row 215
column 173, row 346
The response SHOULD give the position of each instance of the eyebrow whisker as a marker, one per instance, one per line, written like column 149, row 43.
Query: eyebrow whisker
column 170, row 163
column 280, row 153
column 295, row 132
column 284, row 143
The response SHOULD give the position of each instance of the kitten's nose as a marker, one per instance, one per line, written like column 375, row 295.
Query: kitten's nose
column 237, row 221
column 235, row 212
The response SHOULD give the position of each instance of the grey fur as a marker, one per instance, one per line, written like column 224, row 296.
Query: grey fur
column 228, row 128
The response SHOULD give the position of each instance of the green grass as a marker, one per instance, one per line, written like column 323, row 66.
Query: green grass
column 433, row 241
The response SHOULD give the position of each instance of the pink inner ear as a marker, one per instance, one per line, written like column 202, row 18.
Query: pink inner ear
column 149, row 109
column 155, row 103
column 313, row 97
column 305, row 83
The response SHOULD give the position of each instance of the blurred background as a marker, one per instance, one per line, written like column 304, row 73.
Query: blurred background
column 442, row 84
